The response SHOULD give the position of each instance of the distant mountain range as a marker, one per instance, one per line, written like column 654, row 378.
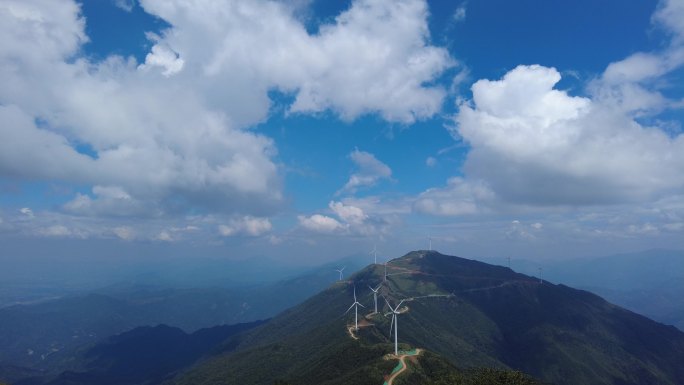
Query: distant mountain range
column 474, row 323
column 142, row 355
column 45, row 335
column 649, row 282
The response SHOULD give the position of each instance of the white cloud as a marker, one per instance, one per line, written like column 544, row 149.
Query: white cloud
column 154, row 138
column 352, row 220
column 670, row 15
column 320, row 223
column 26, row 211
column 431, row 161
column 370, row 171
column 164, row 236
column 165, row 58
column 55, row 231
column 247, row 225
column 126, row 5
column 170, row 132
column 375, row 57
column 124, row 232
column 108, row 201
column 350, row 214
column 643, row 229
column 460, row 13
column 533, row 144
column 459, row 197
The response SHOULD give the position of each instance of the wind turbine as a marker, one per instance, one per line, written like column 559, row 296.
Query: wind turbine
column 340, row 271
column 375, row 296
column 375, row 254
column 395, row 312
column 540, row 276
column 355, row 305
column 430, row 242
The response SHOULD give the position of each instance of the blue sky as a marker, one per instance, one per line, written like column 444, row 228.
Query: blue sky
column 316, row 129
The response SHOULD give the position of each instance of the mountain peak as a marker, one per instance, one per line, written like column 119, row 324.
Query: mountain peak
column 470, row 313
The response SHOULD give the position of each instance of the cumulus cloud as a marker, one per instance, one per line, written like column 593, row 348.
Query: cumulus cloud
column 351, row 220
column 246, row 225
column 459, row 197
column 171, row 134
column 350, row 214
column 124, row 232
column 320, row 223
column 26, row 211
column 165, row 151
column 164, row 236
column 370, row 171
column 533, row 144
column 108, row 201
column 374, row 57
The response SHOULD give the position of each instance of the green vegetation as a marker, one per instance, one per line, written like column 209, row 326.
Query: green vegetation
column 431, row 369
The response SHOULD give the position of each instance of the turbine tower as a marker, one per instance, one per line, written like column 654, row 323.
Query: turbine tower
column 540, row 276
column 430, row 243
column 340, row 271
column 375, row 296
column 395, row 312
column 355, row 305
column 375, row 254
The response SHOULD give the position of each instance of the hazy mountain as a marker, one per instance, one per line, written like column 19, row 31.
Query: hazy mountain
column 471, row 313
column 649, row 282
column 142, row 355
column 45, row 334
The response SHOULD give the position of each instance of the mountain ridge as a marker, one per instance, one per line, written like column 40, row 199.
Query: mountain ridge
column 474, row 315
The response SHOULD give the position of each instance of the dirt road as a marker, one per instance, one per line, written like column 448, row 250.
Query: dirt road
column 402, row 362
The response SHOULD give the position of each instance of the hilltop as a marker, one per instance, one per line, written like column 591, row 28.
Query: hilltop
column 470, row 314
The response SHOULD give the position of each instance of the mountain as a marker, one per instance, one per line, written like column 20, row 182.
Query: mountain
column 468, row 313
column 144, row 355
column 42, row 336
column 649, row 282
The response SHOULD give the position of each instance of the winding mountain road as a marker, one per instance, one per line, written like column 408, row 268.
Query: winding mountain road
column 402, row 362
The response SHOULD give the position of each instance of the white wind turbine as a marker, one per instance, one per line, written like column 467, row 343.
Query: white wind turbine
column 375, row 296
column 395, row 312
column 355, row 305
column 340, row 271
column 375, row 254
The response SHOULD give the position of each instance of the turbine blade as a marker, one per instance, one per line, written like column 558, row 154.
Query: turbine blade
column 360, row 304
column 394, row 310
column 350, row 307
column 392, row 324
column 402, row 301
column 354, row 293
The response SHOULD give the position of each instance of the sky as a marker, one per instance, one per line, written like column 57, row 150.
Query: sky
column 307, row 130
